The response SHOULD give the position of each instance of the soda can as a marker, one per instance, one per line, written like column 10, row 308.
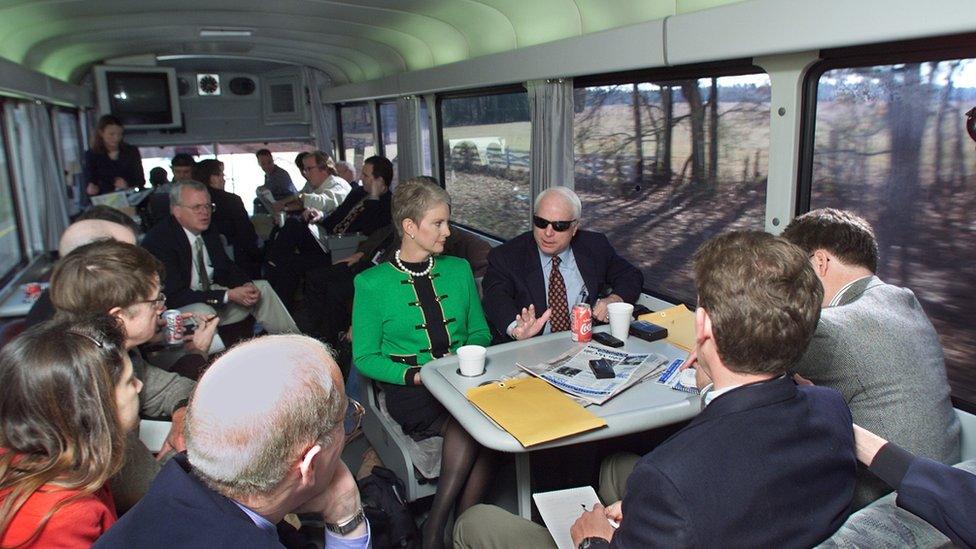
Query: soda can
column 581, row 321
column 174, row 326
column 32, row 291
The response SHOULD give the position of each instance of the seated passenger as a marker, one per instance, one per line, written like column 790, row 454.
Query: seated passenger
column 156, row 208
column 366, row 208
column 158, row 177
column 122, row 280
column 69, row 397
column 765, row 464
column 534, row 279
column 347, row 171
column 199, row 276
column 261, row 443
column 875, row 345
column 301, row 244
column 408, row 312
column 230, row 218
column 941, row 495
column 276, row 179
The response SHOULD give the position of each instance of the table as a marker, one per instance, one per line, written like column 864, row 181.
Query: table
column 645, row 406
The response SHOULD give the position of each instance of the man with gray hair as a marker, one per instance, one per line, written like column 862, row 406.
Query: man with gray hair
column 534, row 279
column 346, row 171
column 200, row 278
column 261, row 443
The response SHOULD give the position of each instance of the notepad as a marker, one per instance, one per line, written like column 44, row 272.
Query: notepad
column 680, row 323
column 560, row 509
column 532, row 410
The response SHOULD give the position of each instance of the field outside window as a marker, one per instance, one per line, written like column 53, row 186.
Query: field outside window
column 891, row 145
column 662, row 167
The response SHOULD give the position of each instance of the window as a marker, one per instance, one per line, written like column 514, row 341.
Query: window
column 356, row 123
column 890, row 144
column 69, row 143
column 485, row 140
column 388, row 134
column 11, row 254
column 661, row 166
column 160, row 157
column 428, row 164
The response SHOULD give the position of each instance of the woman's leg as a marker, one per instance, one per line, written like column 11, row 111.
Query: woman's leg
column 477, row 485
column 458, row 455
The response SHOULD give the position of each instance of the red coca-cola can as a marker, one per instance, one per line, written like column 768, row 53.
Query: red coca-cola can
column 174, row 327
column 32, row 291
column 582, row 323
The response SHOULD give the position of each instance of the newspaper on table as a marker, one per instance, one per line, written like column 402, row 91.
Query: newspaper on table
column 571, row 373
column 677, row 379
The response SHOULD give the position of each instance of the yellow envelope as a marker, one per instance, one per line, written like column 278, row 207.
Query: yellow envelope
column 532, row 410
column 680, row 323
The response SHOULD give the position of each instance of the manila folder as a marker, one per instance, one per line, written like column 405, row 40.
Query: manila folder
column 680, row 323
column 532, row 410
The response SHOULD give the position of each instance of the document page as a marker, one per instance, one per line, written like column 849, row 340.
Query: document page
column 561, row 508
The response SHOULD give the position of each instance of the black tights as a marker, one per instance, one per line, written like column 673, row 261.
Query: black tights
column 465, row 471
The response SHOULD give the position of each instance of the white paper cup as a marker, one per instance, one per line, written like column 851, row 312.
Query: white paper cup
column 471, row 360
column 620, row 316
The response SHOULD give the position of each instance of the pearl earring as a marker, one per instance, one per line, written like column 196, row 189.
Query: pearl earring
column 411, row 237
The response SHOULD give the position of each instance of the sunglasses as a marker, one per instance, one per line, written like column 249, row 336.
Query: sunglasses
column 558, row 226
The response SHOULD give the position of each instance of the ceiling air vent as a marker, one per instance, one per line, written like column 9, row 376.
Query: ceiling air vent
column 208, row 84
column 242, row 86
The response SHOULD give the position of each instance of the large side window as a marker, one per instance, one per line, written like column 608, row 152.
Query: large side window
column 71, row 149
column 663, row 165
column 890, row 144
column 485, row 142
column 356, row 122
column 11, row 253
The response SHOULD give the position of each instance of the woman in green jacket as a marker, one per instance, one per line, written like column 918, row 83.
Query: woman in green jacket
column 409, row 311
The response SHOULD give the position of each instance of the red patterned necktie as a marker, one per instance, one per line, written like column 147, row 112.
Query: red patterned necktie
column 559, row 317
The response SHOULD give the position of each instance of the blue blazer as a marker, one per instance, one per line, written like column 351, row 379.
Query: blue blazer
column 514, row 278
column 768, row 464
column 180, row 511
column 169, row 244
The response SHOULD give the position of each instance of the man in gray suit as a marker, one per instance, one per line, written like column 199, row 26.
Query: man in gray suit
column 875, row 345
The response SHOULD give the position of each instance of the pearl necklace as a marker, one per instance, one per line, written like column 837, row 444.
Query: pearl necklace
column 425, row 272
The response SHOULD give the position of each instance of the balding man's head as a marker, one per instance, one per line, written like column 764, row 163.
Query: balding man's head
column 259, row 408
column 89, row 230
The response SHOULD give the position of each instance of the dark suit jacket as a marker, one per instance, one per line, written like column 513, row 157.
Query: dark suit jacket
column 180, row 511
column 167, row 241
column 514, row 277
column 231, row 220
column 375, row 214
column 768, row 464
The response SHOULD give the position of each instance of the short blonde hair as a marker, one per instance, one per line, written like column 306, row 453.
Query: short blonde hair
column 414, row 197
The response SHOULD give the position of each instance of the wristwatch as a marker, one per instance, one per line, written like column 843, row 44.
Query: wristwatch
column 592, row 542
column 347, row 526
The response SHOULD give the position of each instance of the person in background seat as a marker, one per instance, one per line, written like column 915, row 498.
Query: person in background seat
column 276, row 179
column 230, row 218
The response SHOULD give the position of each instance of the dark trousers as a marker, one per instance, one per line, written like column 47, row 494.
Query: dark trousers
column 327, row 296
column 293, row 253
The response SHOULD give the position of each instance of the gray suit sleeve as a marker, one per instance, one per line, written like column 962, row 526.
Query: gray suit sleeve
column 162, row 391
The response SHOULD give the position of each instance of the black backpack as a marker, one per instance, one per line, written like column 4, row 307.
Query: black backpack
column 390, row 521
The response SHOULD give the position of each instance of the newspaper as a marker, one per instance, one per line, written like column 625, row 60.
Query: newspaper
column 677, row 379
column 571, row 373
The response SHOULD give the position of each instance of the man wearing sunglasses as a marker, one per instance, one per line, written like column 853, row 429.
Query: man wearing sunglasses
column 535, row 279
column 261, row 443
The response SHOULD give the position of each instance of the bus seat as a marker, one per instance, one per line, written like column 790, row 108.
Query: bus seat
column 153, row 433
column 392, row 446
column 967, row 440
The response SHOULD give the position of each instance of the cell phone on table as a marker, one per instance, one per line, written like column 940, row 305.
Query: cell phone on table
column 647, row 330
column 602, row 369
column 604, row 338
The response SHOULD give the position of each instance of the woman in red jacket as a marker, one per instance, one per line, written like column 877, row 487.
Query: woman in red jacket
column 69, row 397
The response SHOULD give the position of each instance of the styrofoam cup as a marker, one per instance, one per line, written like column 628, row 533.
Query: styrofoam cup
column 471, row 360
column 620, row 316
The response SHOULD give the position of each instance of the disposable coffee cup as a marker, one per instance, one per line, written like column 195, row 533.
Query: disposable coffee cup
column 620, row 316
column 471, row 360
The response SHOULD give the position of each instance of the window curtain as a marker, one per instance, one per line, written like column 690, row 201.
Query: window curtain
column 409, row 153
column 323, row 116
column 551, row 113
column 38, row 178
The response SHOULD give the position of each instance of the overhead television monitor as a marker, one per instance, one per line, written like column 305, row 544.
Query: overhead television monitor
column 142, row 98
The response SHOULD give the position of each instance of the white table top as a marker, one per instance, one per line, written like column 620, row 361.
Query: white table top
column 644, row 406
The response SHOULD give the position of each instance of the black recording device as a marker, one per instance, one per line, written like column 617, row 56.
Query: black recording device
column 647, row 331
column 602, row 369
column 605, row 338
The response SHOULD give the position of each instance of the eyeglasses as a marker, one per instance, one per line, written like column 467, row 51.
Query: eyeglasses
column 353, row 418
column 558, row 226
column 200, row 208
column 310, row 168
column 159, row 302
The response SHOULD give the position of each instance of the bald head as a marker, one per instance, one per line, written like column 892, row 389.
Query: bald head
column 258, row 408
column 89, row 230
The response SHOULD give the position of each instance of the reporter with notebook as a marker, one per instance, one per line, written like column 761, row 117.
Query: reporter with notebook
column 765, row 464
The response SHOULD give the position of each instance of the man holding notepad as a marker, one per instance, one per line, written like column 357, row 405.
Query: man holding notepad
column 766, row 463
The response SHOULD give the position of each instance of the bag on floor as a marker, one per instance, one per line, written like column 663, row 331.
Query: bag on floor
column 390, row 521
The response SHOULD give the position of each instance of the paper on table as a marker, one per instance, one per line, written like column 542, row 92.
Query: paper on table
column 680, row 323
column 561, row 508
